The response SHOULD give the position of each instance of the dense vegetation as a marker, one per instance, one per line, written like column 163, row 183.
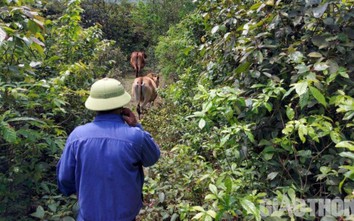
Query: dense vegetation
column 262, row 105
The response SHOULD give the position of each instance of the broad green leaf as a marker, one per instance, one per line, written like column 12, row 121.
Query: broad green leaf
column 228, row 184
column 52, row 207
column 39, row 213
column 320, row 41
column 211, row 213
column 198, row 216
column 243, row 67
column 335, row 136
column 288, row 92
column 302, row 131
column 251, row 208
column 318, row 96
column 224, row 139
column 210, row 197
column 198, row 208
column 320, row 66
column 314, row 55
column 296, row 56
column 302, row 68
column 318, row 11
column 256, row 6
column 9, row 134
column 304, row 100
column 68, row 218
column 272, row 175
column 346, row 144
column 174, row 217
column 301, row 87
column 161, row 197
column 290, row 113
column 213, row 189
column 347, row 154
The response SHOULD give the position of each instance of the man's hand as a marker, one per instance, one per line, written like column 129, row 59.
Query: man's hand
column 129, row 117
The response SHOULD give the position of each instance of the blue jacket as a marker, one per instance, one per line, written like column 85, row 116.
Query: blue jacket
column 102, row 163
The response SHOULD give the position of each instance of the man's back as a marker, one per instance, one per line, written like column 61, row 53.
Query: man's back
column 102, row 162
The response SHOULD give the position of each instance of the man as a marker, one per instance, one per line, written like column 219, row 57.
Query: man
column 102, row 160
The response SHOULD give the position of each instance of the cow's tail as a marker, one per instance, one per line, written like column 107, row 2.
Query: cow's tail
column 138, row 94
column 137, row 69
column 137, row 90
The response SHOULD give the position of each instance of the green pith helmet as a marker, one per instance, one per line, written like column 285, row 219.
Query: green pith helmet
column 107, row 94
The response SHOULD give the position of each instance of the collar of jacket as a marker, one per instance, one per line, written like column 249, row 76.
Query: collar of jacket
column 109, row 117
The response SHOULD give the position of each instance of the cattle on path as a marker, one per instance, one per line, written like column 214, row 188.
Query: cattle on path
column 144, row 91
column 137, row 61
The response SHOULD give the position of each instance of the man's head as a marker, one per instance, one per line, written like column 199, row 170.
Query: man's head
column 107, row 94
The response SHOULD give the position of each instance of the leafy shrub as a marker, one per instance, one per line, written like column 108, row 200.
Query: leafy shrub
column 273, row 90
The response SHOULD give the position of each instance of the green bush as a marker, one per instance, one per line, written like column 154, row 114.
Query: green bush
column 270, row 96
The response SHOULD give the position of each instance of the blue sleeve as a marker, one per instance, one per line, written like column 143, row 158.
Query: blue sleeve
column 150, row 150
column 66, row 171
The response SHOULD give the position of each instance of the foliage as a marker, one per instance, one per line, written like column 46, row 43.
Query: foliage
column 159, row 15
column 135, row 26
column 115, row 21
column 46, row 65
column 272, row 106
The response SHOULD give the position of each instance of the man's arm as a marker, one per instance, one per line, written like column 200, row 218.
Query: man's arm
column 66, row 172
column 150, row 150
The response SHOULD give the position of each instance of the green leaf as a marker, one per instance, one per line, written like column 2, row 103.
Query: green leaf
column 243, row 67
column 302, row 131
column 304, row 100
column 215, row 29
column 211, row 213
column 228, row 184
column 39, row 213
column 335, row 136
column 346, row 144
column 290, row 113
column 318, row 11
column 52, row 207
column 161, row 197
column 224, row 139
column 272, row 175
column 198, row 216
column 302, row 68
column 198, row 208
column 201, row 123
column 213, row 189
column 314, row 55
column 347, row 154
column 296, row 56
column 301, row 87
column 320, row 41
column 8, row 133
column 174, row 217
column 250, row 208
column 318, row 96
column 320, row 66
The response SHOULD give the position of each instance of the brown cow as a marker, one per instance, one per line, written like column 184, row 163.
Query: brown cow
column 137, row 60
column 144, row 90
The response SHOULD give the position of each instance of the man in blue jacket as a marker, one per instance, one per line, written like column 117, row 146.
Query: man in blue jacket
column 102, row 160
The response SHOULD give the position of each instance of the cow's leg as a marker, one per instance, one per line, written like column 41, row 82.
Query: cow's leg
column 138, row 110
